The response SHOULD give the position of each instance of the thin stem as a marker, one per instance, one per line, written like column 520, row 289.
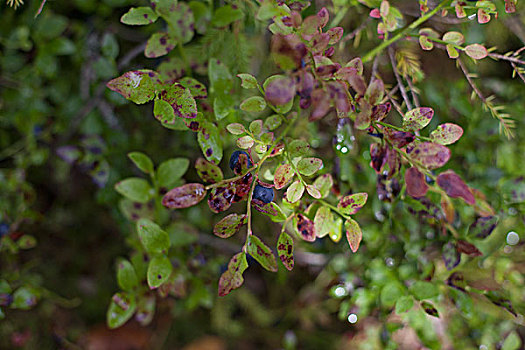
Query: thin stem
column 378, row 49
column 334, row 208
column 398, row 78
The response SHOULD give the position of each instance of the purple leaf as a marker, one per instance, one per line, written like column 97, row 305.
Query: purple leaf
column 221, row 198
column 279, row 90
column 455, row 187
column 415, row 182
column 431, row 155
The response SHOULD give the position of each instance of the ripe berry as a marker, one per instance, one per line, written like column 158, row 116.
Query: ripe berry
column 234, row 161
column 4, row 229
column 263, row 194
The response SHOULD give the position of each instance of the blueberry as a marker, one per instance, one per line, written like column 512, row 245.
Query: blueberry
column 263, row 194
column 4, row 229
column 234, row 159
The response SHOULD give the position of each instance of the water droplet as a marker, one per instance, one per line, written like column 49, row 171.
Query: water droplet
column 507, row 249
column 352, row 318
column 512, row 238
column 340, row 292
column 390, row 262
column 344, row 150
column 513, row 211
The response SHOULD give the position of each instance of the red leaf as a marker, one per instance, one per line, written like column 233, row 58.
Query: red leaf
column 468, row 248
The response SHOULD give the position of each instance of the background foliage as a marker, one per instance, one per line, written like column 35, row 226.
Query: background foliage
column 69, row 237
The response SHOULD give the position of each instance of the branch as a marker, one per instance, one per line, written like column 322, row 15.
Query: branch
column 404, row 31
column 398, row 78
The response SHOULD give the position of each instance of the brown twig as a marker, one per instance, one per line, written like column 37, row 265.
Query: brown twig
column 398, row 78
column 470, row 81
column 413, row 92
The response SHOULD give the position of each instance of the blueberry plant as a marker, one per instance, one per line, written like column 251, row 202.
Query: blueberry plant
column 314, row 150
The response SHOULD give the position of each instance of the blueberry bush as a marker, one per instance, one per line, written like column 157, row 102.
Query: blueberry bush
column 262, row 174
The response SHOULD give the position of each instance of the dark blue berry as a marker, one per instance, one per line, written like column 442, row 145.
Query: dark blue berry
column 234, row 159
column 4, row 229
column 263, row 194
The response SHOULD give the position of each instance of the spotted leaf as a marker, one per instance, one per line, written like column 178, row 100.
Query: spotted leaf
column 229, row 225
column 232, row 278
column 447, row 133
column 285, row 250
column 351, row 204
column 283, row 175
column 208, row 171
column 305, row 227
column 353, row 234
column 431, row 155
column 137, row 86
column 184, row 196
column 417, row 118
column 261, row 252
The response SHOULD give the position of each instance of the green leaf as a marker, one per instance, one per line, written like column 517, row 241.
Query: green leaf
column 295, row 191
column 309, row 166
column 353, row 234
column 283, row 175
column 483, row 227
column 26, row 242
column 122, row 307
column 285, row 250
column 24, row 298
column 136, row 86
column 210, row 142
column 236, row 129
column 417, row 118
column 256, row 127
column 152, row 237
column 261, row 252
column 324, row 184
column 225, row 15
column 221, row 85
column 253, row 104
column 313, row 191
column 159, row 271
column 454, row 38
column 245, row 142
column 197, row 89
column 170, row 171
column 134, row 188
column 272, row 210
column 201, row 14
column 181, row 21
column 404, row 304
column 273, row 122
column 336, row 231
column 159, row 44
column 208, row 171
column 163, row 112
column 349, row 205
column 476, row 51
column 323, row 221
column 298, row 148
column 180, row 99
column 390, row 293
column 229, row 225
column 424, row 290
column 232, row 277
column 512, row 342
column 141, row 161
column 248, row 81
column 145, row 309
column 126, row 276
column 139, row 16
column 447, row 133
